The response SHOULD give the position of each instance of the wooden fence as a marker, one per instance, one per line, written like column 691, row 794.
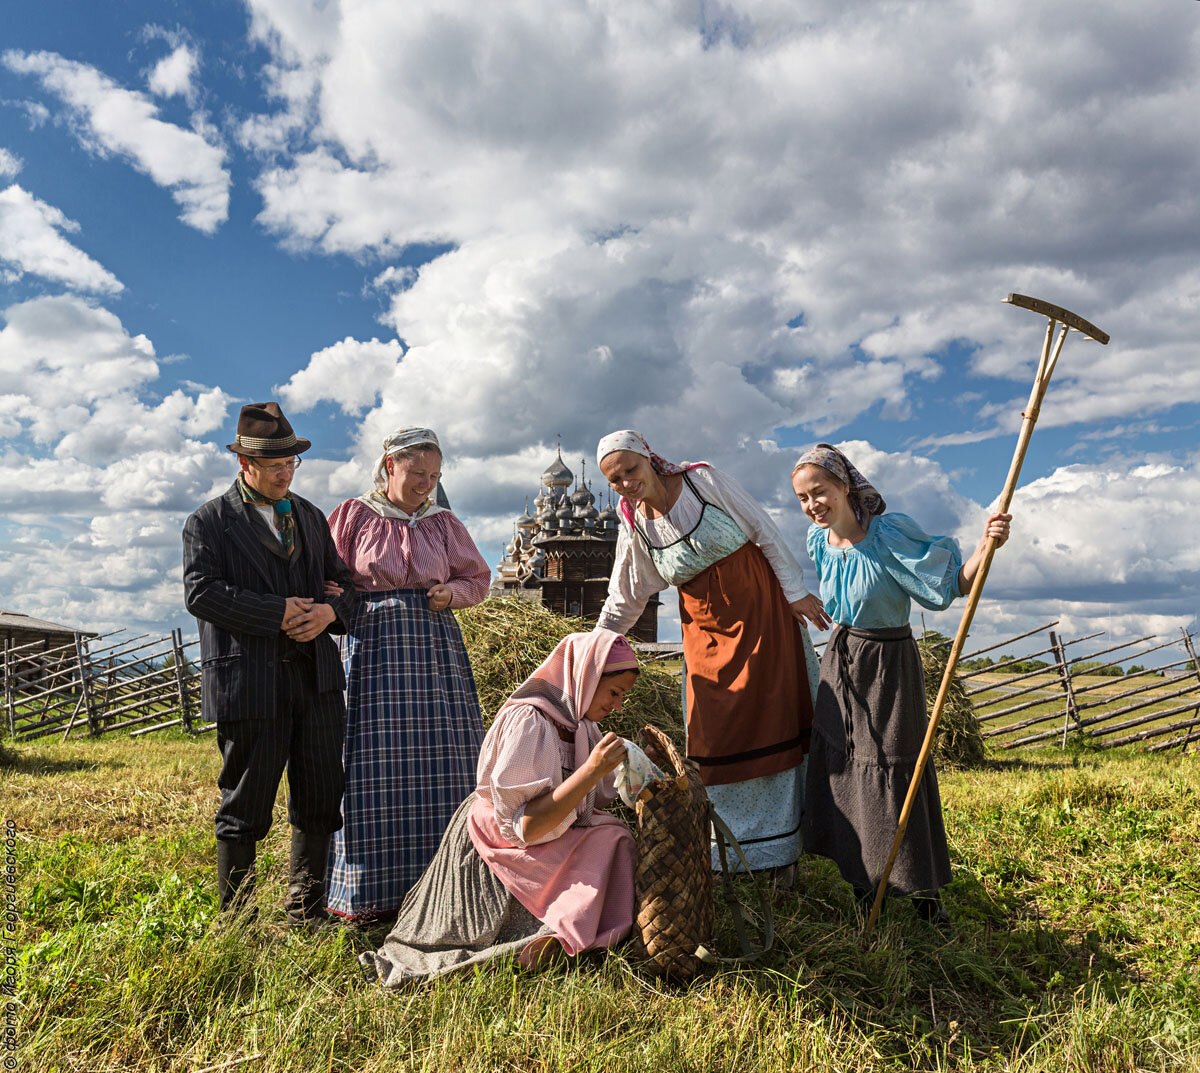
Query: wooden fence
column 1065, row 700
column 98, row 685
column 140, row 684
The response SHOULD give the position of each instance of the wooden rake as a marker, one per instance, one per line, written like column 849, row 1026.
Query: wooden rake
column 1055, row 316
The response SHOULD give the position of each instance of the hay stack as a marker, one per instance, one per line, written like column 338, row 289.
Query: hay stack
column 959, row 742
column 507, row 638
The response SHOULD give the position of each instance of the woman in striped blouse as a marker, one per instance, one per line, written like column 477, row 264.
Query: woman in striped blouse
column 413, row 725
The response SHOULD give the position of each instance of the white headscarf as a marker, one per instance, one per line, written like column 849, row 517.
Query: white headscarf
column 398, row 441
column 628, row 439
column 377, row 499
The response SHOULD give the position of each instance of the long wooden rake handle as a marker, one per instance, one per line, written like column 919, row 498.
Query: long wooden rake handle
column 1028, row 419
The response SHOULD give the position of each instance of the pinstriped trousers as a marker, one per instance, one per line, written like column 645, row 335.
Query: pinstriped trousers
column 255, row 753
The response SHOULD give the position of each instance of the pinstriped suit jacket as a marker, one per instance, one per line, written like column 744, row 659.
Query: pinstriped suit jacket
column 228, row 586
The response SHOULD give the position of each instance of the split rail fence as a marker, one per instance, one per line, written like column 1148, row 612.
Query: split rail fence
column 1068, row 700
column 100, row 685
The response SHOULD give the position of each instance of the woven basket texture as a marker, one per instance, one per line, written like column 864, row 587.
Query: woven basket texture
column 673, row 881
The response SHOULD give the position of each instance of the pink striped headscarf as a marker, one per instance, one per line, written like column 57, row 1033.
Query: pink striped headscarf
column 627, row 439
column 563, row 687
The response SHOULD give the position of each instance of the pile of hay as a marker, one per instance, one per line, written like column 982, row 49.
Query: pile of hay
column 507, row 638
column 959, row 742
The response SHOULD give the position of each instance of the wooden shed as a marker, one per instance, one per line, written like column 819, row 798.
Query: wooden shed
column 33, row 647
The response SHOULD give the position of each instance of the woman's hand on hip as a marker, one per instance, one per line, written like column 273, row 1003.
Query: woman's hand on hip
column 810, row 607
column 439, row 597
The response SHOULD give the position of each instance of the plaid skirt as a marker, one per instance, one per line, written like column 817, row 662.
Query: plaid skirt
column 413, row 732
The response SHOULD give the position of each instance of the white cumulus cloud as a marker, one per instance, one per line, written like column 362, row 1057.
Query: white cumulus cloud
column 172, row 75
column 125, row 122
column 31, row 241
column 10, row 164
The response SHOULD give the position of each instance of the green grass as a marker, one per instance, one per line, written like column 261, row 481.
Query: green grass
column 1076, row 901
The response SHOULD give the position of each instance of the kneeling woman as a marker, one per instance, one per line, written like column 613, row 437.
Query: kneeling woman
column 870, row 718
column 529, row 860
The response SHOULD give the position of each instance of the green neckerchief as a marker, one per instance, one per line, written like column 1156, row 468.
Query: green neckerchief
column 285, row 520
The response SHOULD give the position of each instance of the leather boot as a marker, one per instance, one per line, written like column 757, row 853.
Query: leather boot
column 305, row 902
column 931, row 910
column 235, row 874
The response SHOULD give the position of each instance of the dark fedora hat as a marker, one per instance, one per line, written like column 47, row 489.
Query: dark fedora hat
column 263, row 432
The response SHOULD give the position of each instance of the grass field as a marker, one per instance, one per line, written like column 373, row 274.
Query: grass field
column 1075, row 946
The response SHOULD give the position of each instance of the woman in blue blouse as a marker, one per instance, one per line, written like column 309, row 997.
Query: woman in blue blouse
column 869, row 720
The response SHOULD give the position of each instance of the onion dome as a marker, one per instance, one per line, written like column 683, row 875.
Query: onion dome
column 525, row 523
column 557, row 475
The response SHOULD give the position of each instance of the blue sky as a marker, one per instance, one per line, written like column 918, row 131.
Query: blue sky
column 737, row 228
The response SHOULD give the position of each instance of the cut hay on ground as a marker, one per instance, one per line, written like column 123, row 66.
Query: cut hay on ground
column 507, row 638
column 959, row 741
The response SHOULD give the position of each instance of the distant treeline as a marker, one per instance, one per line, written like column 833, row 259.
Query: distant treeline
column 1023, row 666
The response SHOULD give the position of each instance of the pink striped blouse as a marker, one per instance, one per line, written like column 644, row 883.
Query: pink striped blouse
column 387, row 553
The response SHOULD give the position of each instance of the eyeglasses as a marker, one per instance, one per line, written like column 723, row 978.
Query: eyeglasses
column 282, row 467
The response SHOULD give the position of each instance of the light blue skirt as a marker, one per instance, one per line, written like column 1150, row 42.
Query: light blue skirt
column 765, row 814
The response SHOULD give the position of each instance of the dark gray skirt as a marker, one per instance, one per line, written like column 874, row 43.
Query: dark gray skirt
column 868, row 726
column 459, row 914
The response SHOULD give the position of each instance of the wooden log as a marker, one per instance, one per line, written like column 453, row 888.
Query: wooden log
column 85, row 686
column 1019, row 659
column 10, row 704
column 1103, row 717
column 1002, row 644
column 1049, row 670
column 54, row 723
column 128, row 648
column 43, row 733
column 1187, row 643
column 1123, row 659
column 161, row 679
column 74, row 716
column 1111, row 698
column 151, row 730
column 1150, row 717
column 990, row 648
column 1021, row 707
column 1099, row 720
column 185, row 700
column 164, row 692
column 1155, row 732
column 1183, row 741
column 71, row 686
column 138, row 721
column 1070, row 663
column 1125, row 678
column 1064, row 679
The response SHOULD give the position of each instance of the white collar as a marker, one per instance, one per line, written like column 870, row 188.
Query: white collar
column 385, row 508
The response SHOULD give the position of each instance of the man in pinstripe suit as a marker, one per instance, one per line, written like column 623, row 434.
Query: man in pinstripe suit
column 255, row 563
